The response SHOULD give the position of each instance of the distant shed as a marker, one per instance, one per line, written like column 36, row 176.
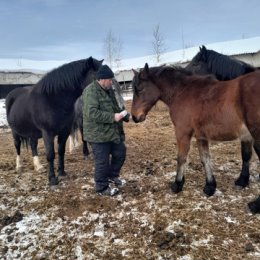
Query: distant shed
column 10, row 80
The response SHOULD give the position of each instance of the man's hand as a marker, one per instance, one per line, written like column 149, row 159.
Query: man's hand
column 118, row 117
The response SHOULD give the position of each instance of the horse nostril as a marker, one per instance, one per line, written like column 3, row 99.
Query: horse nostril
column 139, row 119
column 135, row 119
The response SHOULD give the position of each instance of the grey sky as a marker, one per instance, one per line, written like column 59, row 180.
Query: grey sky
column 75, row 29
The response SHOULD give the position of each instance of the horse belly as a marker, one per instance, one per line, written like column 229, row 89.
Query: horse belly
column 21, row 122
column 225, row 125
column 229, row 133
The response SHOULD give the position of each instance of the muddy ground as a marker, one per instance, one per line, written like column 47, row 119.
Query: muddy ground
column 146, row 221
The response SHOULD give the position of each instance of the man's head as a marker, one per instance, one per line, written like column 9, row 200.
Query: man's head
column 104, row 76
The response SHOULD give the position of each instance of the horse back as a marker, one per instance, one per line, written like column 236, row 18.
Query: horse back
column 19, row 112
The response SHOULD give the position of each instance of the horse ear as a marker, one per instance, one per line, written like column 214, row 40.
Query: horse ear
column 146, row 68
column 101, row 61
column 90, row 62
column 135, row 71
column 204, row 53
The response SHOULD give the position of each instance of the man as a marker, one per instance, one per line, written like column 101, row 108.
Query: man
column 103, row 129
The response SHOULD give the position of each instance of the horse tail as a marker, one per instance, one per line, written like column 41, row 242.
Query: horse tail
column 8, row 103
column 11, row 97
column 25, row 141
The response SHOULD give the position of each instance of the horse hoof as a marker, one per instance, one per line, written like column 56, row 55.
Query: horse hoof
column 238, row 187
column 85, row 157
column 176, row 187
column 241, row 183
column 19, row 169
column 62, row 174
column 40, row 169
column 209, row 190
column 53, row 181
column 254, row 206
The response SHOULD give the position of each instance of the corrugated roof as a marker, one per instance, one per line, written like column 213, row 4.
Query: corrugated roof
column 242, row 46
column 251, row 45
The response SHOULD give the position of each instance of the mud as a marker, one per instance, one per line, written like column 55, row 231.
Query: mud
column 146, row 221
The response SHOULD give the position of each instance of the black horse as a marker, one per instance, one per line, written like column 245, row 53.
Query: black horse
column 78, row 119
column 46, row 110
column 225, row 68
column 221, row 66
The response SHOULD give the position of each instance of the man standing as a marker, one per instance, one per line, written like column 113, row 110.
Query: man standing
column 103, row 129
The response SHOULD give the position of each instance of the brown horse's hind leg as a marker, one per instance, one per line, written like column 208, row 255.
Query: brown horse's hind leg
column 254, row 206
column 183, row 150
column 257, row 150
column 246, row 152
column 210, row 186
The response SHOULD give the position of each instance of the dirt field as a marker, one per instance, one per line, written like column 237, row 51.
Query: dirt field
column 146, row 221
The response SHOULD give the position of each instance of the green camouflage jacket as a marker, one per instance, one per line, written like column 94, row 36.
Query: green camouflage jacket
column 99, row 107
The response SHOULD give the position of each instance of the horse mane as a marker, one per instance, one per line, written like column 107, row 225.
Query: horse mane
column 175, row 74
column 223, row 66
column 67, row 77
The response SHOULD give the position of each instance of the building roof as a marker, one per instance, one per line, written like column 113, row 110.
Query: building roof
column 251, row 45
column 242, row 46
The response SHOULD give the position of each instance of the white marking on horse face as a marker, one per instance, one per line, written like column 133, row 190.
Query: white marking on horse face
column 245, row 134
column 37, row 165
column 19, row 163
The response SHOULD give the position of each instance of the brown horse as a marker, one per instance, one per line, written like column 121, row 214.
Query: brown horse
column 201, row 107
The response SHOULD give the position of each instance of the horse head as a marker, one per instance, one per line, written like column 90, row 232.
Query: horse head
column 72, row 77
column 92, row 66
column 146, row 93
column 199, row 64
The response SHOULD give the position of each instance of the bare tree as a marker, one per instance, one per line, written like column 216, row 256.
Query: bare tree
column 158, row 43
column 112, row 49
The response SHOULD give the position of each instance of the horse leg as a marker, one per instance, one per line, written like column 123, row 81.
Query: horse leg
column 210, row 186
column 257, row 150
column 17, row 144
column 62, row 138
column 246, row 152
column 71, row 142
column 183, row 150
column 50, row 154
column 85, row 150
column 36, row 162
column 254, row 205
column 85, row 145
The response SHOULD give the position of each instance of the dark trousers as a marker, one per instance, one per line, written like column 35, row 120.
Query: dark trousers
column 109, row 158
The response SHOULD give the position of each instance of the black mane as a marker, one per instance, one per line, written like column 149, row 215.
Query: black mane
column 67, row 77
column 222, row 66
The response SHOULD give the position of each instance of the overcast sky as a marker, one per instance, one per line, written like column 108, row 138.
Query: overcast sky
column 75, row 29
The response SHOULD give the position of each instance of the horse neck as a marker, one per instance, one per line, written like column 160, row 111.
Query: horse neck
column 169, row 90
column 67, row 99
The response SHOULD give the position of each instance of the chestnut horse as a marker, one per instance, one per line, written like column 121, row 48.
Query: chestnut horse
column 201, row 107
column 223, row 67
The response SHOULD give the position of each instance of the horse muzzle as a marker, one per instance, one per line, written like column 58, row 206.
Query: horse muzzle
column 138, row 119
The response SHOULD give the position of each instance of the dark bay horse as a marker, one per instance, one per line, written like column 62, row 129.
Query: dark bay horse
column 201, row 107
column 224, row 67
column 46, row 110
